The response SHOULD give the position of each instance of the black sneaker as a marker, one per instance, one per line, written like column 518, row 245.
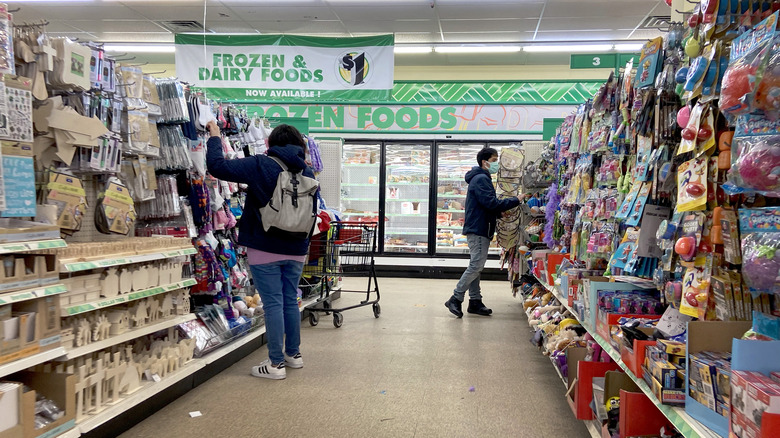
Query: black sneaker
column 476, row 307
column 454, row 305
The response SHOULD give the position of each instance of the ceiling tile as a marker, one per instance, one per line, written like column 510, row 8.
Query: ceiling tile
column 392, row 26
column 603, row 8
column 588, row 23
column 478, row 10
column 309, row 27
column 263, row 13
column 116, row 26
column 482, row 37
column 417, row 37
column 385, row 13
column 89, row 11
column 580, row 35
column 169, row 12
column 134, row 37
column 511, row 24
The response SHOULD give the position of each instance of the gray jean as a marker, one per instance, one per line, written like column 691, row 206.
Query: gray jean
column 478, row 248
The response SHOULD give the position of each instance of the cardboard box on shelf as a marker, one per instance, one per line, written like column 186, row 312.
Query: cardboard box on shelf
column 48, row 315
column 663, row 371
column 668, row 396
column 710, row 336
column 11, row 422
column 753, row 395
column 15, row 230
column 607, row 320
column 59, row 388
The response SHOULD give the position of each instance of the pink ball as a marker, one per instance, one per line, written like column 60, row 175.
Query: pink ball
column 683, row 116
column 759, row 168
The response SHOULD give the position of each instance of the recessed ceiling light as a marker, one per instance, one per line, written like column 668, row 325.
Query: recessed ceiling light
column 568, row 48
column 140, row 48
column 413, row 49
column 477, row 49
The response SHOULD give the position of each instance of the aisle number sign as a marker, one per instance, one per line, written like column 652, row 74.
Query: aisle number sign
column 601, row 60
column 280, row 67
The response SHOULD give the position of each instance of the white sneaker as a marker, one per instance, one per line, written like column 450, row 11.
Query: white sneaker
column 268, row 371
column 294, row 361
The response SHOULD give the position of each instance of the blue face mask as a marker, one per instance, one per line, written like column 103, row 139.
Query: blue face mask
column 493, row 167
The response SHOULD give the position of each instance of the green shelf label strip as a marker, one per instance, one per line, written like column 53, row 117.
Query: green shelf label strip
column 88, row 307
column 15, row 297
column 32, row 246
column 140, row 258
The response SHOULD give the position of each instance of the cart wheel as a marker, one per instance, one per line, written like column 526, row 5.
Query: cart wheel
column 377, row 309
column 314, row 319
column 337, row 320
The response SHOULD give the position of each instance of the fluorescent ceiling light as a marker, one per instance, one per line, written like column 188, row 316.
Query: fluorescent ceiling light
column 629, row 47
column 477, row 49
column 413, row 49
column 140, row 48
column 568, row 48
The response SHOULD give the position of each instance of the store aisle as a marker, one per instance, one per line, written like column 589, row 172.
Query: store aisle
column 406, row 374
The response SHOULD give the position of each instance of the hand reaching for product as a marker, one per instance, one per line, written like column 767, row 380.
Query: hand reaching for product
column 213, row 128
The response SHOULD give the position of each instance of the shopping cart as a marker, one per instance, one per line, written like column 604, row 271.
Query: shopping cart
column 347, row 250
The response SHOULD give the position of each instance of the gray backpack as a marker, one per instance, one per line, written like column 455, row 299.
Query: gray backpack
column 292, row 210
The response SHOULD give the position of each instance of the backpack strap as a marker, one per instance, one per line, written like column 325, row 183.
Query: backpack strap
column 280, row 163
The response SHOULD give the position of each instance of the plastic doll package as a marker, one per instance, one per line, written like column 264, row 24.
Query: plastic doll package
column 755, row 157
column 760, row 230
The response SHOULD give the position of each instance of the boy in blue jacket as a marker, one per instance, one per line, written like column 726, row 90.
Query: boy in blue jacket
column 276, row 262
column 482, row 211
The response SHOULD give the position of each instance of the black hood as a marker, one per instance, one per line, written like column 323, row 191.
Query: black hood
column 476, row 170
column 293, row 156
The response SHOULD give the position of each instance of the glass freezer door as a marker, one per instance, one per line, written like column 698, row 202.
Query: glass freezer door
column 360, row 181
column 408, row 173
column 454, row 160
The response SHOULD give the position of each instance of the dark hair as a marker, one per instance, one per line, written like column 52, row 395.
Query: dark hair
column 486, row 154
column 283, row 135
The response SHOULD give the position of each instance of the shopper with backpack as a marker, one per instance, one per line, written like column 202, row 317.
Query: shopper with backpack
column 278, row 219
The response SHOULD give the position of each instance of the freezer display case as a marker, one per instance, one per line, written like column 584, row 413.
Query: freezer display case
column 360, row 169
column 407, row 197
column 416, row 191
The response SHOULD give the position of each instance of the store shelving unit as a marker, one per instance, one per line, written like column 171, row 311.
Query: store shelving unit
column 108, row 302
column 72, row 353
column 77, row 266
column 688, row 427
column 31, row 294
column 35, row 245
column 30, row 361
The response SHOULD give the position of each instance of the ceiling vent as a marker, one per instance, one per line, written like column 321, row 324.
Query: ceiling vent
column 656, row 22
column 182, row 26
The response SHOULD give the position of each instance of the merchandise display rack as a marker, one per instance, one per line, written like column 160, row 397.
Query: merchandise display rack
column 71, row 266
column 31, row 294
column 133, row 296
column 687, row 426
column 35, row 245
column 30, row 361
column 124, row 337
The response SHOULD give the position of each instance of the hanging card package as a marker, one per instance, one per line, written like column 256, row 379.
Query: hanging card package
column 67, row 193
column 115, row 212
column 6, row 41
column 132, row 82
column 71, row 69
column 18, row 102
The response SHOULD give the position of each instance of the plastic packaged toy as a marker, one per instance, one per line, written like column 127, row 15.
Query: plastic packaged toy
column 756, row 157
column 760, row 229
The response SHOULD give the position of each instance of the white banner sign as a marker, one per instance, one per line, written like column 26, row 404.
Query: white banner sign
column 263, row 67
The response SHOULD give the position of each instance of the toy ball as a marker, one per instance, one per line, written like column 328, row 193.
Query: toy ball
column 736, row 84
column 695, row 189
column 681, row 75
column 705, row 132
column 688, row 134
column 692, row 48
column 759, row 168
column 684, row 116
column 685, row 246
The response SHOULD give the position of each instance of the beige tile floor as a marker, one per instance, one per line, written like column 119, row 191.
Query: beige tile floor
column 405, row 374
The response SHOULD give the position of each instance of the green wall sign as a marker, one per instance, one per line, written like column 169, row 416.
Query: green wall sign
column 593, row 60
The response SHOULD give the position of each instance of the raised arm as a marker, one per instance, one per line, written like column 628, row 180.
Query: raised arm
column 242, row 170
